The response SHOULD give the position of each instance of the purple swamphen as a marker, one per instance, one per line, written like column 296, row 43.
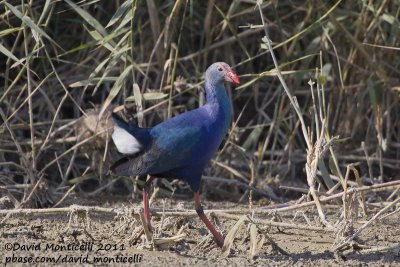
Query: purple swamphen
column 181, row 146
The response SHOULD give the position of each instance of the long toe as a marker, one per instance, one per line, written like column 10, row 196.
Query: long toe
column 219, row 242
column 211, row 246
column 137, row 237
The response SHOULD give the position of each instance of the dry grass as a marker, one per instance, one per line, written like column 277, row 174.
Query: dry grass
column 66, row 65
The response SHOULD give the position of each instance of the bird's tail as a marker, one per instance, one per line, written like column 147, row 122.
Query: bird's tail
column 128, row 137
column 121, row 122
column 133, row 142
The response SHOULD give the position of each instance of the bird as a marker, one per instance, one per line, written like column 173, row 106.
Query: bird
column 181, row 146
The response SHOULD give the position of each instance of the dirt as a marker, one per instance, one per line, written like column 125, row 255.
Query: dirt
column 77, row 239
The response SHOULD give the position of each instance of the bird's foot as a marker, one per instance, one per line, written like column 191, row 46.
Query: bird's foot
column 147, row 231
column 137, row 237
column 220, row 243
column 209, row 247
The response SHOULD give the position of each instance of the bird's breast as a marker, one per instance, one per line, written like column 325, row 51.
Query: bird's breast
column 218, row 124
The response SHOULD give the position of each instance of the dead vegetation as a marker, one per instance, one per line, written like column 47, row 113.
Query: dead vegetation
column 316, row 117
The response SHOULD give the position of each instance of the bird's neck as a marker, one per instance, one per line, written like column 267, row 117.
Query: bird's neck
column 217, row 101
column 215, row 93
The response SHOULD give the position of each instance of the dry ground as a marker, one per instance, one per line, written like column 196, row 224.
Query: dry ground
column 109, row 236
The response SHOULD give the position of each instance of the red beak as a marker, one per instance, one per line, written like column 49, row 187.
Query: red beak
column 232, row 77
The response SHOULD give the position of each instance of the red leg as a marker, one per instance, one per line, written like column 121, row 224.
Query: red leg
column 146, row 190
column 199, row 209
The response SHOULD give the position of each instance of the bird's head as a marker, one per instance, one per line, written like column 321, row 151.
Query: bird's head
column 220, row 71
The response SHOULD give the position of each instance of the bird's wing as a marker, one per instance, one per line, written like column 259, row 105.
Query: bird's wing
column 174, row 143
column 177, row 143
column 179, row 140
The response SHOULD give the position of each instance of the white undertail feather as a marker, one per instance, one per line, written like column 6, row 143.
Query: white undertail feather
column 124, row 141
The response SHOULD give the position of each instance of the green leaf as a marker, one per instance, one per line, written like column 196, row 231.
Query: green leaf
column 128, row 17
column 147, row 96
column 137, row 95
column 88, row 18
column 10, row 31
column 79, row 48
column 98, row 69
column 252, row 138
column 83, row 178
column 115, row 89
column 92, row 81
column 112, row 61
column 45, row 11
column 8, row 53
column 27, row 21
column 119, row 13
column 154, row 96
column 325, row 174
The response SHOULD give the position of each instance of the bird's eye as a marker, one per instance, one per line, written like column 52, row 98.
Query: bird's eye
column 220, row 69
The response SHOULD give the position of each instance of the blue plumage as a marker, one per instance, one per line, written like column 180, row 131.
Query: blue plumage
column 181, row 146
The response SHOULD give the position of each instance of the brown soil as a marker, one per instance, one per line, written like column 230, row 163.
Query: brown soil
column 110, row 237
